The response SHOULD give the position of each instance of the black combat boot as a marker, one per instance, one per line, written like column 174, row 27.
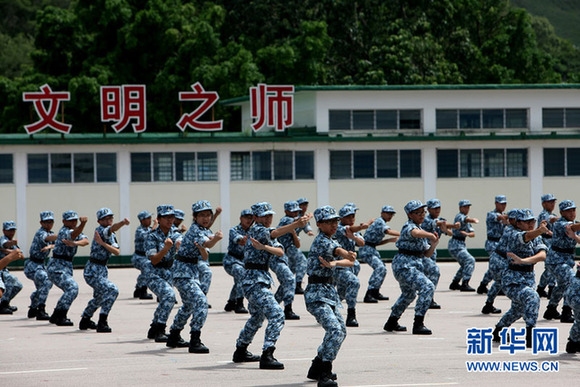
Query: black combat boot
column 489, row 308
column 299, row 289
column 496, row 335
column 242, row 355
column 566, row 316
column 454, row 285
column 378, row 296
column 572, row 346
column 326, row 375
column 542, row 291
column 434, row 305
column 32, row 312
column 369, row 299
column 5, row 308
column 551, row 313
column 55, row 316
column 161, row 336
column 41, row 315
column 392, row 325
column 268, row 362
column 230, row 306
column 351, row 318
column 316, row 369
column 195, row 344
column 240, row 306
column 419, row 328
column 529, row 331
column 144, row 295
column 174, row 339
column 137, row 292
column 60, row 319
column 289, row 313
column 482, row 288
column 87, row 323
column 103, row 325
column 152, row 331
column 465, row 287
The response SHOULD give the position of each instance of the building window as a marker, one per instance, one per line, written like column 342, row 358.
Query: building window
column 482, row 162
column 561, row 118
column 370, row 164
column 374, row 119
column 72, row 168
column 6, row 169
column 561, row 161
column 481, row 118
column 173, row 166
column 272, row 165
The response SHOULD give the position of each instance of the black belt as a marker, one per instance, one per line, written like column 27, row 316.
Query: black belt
column 459, row 238
column 63, row 257
column 139, row 252
column 373, row 245
column 525, row 269
column 546, row 236
column 577, row 273
column 314, row 279
column 181, row 258
column 493, row 239
column 501, row 254
column 164, row 264
column 256, row 266
column 37, row 260
column 236, row 256
column 98, row 261
column 565, row 251
column 414, row 253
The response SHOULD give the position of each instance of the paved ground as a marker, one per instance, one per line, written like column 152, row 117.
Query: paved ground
column 37, row 353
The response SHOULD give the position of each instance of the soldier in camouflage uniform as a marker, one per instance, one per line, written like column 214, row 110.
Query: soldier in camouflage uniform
column 524, row 249
column 194, row 248
column 298, row 261
column 414, row 244
column 178, row 222
column 281, row 265
column 256, row 285
column 60, row 268
column 560, row 260
column 434, row 224
column 139, row 260
column 96, row 273
column 13, row 255
column 160, row 247
column 204, row 270
column 368, row 253
column 12, row 284
column 498, row 264
column 347, row 282
column 547, row 278
column 458, row 250
column 495, row 222
column 320, row 295
column 573, row 295
column 233, row 261
column 34, row 267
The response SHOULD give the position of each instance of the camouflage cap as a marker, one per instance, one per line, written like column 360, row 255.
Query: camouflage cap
column 246, row 212
column 104, row 212
column 201, row 205
column 46, row 215
column 179, row 214
column 513, row 213
column 548, row 198
column 567, row 205
column 70, row 215
column 325, row 213
column 500, row 199
column 302, row 201
column 433, row 203
column 413, row 205
column 262, row 209
column 464, row 202
column 165, row 210
column 291, row 206
column 525, row 215
column 10, row 225
column 347, row 210
column 388, row 209
column 143, row 215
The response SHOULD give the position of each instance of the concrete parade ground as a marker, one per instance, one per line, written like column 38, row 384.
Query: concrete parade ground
column 38, row 353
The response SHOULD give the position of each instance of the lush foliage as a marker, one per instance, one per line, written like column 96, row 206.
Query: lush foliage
column 230, row 45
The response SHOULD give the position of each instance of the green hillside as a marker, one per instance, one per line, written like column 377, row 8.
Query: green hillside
column 564, row 15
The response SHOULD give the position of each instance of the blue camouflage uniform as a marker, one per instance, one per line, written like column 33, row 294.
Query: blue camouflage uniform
column 12, row 284
column 204, row 270
column 369, row 254
column 297, row 259
column 560, row 258
column 519, row 280
column 160, row 276
column 186, row 280
column 347, row 282
column 495, row 229
column 233, row 261
column 457, row 247
column 430, row 267
column 547, row 278
column 96, row 272
column 34, row 267
column 281, row 265
column 257, row 283
column 320, row 295
column 139, row 259
column 573, row 295
column 409, row 272
column 60, row 267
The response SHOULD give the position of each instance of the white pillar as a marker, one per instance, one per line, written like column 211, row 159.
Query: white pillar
column 20, row 165
column 124, row 179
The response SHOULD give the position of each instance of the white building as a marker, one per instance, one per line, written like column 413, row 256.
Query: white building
column 372, row 145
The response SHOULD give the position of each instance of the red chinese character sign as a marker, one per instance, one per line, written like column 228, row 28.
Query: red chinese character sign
column 272, row 106
column 122, row 104
column 208, row 98
column 46, row 104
